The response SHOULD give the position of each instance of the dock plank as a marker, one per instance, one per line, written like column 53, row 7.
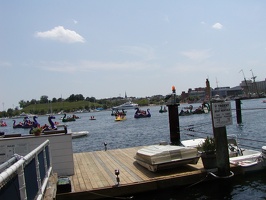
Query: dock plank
column 113, row 165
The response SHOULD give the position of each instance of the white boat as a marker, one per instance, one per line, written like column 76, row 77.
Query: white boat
column 78, row 134
column 157, row 157
column 126, row 106
column 249, row 160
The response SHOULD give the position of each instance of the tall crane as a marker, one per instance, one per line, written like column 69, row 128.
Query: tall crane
column 245, row 82
column 254, row 81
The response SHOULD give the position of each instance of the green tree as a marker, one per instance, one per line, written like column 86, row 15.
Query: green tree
column 22, row 104
column 44, row 99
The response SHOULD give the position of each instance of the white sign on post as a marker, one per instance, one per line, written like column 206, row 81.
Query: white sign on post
column 221, row 114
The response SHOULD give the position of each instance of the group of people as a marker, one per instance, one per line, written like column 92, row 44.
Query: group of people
column 198, row 110
column 2, row 123
column 117, row 112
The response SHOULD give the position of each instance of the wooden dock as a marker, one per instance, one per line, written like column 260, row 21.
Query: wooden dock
column 95, row 177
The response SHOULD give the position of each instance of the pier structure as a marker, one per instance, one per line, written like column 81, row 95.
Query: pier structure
column 95, row 175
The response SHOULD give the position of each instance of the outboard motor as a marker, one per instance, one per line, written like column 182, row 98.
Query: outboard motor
column 263, row 153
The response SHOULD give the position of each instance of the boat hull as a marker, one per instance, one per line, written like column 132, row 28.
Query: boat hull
column 79, row 134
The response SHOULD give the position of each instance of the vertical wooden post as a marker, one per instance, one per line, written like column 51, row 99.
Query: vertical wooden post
column 238, row 111
column 173, row 119
column 222, row 155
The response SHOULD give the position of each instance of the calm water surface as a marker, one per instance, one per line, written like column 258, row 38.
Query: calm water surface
column 138, row 132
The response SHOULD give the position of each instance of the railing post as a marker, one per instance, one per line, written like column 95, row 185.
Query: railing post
column 45, row 160
column 22, row 184
column 37, row 165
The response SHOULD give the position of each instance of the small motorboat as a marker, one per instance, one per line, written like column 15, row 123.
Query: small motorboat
column 158, row 157
column 250, row 160
column 78, row 134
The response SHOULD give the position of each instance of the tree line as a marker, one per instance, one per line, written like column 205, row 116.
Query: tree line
column 73, row 103
column 44, row 100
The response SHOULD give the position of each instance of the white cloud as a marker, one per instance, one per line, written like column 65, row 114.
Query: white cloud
column 197, row 54
column 5, row 64
column 217, row 26
column 61, row 34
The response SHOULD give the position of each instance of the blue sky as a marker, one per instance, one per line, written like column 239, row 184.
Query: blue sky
column 102, row 49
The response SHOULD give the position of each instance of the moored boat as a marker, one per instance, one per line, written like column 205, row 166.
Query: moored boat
column 79, row 134
column 250, row 160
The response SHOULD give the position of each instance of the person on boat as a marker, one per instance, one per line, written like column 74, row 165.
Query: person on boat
column 2, row 123
column 45, row 127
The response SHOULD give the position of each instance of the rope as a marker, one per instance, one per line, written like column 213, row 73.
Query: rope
column 249, row 109
column 222, row 177
column 215, row 176
column 198, row 181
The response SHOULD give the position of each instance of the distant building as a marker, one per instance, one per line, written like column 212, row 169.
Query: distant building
column 227, row 91
column 253, row 88
column 246, row 88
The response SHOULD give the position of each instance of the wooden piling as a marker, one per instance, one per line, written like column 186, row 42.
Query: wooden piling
column 173, row 119
column 174, row 124
column 238, row 111
column 222, row 155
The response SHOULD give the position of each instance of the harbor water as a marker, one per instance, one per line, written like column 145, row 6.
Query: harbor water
column 147, row 131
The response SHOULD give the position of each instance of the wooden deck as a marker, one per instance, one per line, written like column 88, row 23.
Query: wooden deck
column 95, row 175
